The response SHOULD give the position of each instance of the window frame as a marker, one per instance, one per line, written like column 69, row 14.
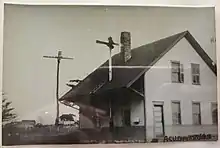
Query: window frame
column 216, row 104
column 199, row 117
column 179, row 116
column 195, row 74
column 179, row 73
column 124, row 122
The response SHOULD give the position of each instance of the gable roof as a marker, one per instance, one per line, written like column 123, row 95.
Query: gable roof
column 125, row 74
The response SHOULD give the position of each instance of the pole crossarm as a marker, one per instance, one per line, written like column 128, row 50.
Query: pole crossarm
column 101, row 42
column 110, row 43
column 57, row 57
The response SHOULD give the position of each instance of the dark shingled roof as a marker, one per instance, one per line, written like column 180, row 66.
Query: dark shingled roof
column 125, row 74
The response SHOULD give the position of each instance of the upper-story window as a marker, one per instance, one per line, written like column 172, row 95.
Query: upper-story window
column 195, row 74
column 177, row 71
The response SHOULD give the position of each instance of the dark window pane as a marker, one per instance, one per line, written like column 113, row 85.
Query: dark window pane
column 126, row 117
column 175, row 77
column 214, row 113
column 197, row 79
column 182, row 77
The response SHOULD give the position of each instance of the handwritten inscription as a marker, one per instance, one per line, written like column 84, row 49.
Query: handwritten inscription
column 188, row 138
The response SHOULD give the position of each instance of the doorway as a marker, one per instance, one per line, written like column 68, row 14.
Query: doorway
column 126, row 117
column 158, row 120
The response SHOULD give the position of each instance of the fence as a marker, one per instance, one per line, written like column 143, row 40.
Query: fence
column 70, row 135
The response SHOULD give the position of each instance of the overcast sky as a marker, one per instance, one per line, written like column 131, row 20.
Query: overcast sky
column 30, row 32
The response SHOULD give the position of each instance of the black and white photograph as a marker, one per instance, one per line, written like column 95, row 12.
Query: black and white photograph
column 79, row 74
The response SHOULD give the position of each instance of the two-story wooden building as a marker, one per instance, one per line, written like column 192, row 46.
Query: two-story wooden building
column 167, row 88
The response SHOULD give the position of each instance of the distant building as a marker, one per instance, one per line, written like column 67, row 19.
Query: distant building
column 21, row 124
column 28, row 123
column 168, row 87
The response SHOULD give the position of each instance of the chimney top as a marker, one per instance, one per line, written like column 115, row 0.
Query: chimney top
column 125, row 45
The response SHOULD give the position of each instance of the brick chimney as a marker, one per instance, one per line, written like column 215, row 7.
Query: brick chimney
column 125, row 45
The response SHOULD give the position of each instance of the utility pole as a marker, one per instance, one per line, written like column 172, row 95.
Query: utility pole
column 110, row 44
column 58, row 57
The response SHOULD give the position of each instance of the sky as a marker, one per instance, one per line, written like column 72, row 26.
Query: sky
column 30, row 32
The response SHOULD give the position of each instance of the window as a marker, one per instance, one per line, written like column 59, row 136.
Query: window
column 97, row 122
column 214, row 110
column 195, row 74
column 177, row 72
column 196, row 113
column 176, row 113
column 126, row 120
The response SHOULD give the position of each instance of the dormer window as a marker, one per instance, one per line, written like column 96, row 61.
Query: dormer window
column 177, row 72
